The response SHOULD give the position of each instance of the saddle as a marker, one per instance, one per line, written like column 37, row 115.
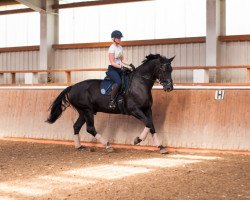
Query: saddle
column 106, row 88
column 106, row 83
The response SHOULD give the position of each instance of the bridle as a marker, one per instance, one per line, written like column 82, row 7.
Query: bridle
column 162, row 69
column 160, row 72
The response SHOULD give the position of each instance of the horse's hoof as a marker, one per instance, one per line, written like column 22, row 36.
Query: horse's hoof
column 92, row 149
column 109, row 149
column 163, row 150
column 137, row 140
column 82, row 148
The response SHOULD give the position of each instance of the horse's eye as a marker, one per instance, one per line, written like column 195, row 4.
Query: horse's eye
column 163, row 67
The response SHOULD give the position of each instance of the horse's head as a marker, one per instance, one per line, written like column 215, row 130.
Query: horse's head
column 163, row 72
column 160, row 68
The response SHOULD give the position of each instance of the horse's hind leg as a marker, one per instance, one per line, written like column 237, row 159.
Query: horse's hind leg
column 89, row 117
column 77, row 127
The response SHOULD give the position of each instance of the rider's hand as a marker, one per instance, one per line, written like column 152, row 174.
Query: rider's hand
column 132, row 66
column 123, row 68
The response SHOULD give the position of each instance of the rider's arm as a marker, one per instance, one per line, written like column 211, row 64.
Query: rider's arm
column 112, row 60
column 131, row 66
column 124, row 61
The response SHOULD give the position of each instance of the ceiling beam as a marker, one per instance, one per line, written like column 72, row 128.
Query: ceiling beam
column 93, row 3
column 35, row 5
column 15, row 11
column 8, row 2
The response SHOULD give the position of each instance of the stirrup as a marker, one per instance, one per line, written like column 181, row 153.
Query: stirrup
column 112, row 104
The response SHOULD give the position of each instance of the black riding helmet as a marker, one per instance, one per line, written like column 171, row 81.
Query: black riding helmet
column 116, row 34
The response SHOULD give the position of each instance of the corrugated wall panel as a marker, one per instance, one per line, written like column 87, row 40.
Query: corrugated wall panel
column 232, row 53
column 186, row 54
column 18, row 61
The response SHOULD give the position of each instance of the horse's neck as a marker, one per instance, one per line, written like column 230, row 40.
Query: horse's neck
column 145, row 72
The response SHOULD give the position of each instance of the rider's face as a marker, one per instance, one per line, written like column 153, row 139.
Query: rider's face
column 117, row 40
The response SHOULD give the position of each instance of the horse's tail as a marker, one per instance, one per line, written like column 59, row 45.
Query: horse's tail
column 59, row 105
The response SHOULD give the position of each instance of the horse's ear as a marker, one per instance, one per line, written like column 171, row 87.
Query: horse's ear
column 171, row 59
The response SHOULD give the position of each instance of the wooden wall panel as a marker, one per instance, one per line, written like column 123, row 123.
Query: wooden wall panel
column 183, row 118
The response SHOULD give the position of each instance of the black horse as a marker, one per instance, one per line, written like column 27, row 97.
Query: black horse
column 87, row 99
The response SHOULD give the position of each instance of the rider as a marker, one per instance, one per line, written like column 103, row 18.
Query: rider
column 116, row 59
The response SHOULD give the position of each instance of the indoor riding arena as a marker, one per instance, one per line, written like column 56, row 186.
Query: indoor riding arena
column 60, row 138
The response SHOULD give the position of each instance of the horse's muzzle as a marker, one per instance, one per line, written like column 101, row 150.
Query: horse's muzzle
column 168, row 86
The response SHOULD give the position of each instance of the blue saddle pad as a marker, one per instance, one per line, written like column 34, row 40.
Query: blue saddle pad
column 106, row 86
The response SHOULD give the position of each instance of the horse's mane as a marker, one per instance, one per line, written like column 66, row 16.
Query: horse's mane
column 151, row 57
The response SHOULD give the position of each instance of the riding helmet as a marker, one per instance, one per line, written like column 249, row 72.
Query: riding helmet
column 116, row 34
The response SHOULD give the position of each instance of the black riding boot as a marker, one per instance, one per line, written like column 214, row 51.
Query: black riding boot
column 113, row 95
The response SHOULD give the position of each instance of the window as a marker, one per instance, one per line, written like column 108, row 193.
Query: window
column 138, row 21
column 19, row 29
column 237, row 16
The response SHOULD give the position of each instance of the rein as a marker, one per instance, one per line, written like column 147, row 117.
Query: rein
column 148, row 77
column 145, row 77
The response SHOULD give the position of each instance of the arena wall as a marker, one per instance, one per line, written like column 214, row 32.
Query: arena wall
column 183, row 118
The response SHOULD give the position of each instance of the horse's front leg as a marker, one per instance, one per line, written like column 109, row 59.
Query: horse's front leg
column 148, row 128
column 147, row 119
column 156, row 140
column 142, row 136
